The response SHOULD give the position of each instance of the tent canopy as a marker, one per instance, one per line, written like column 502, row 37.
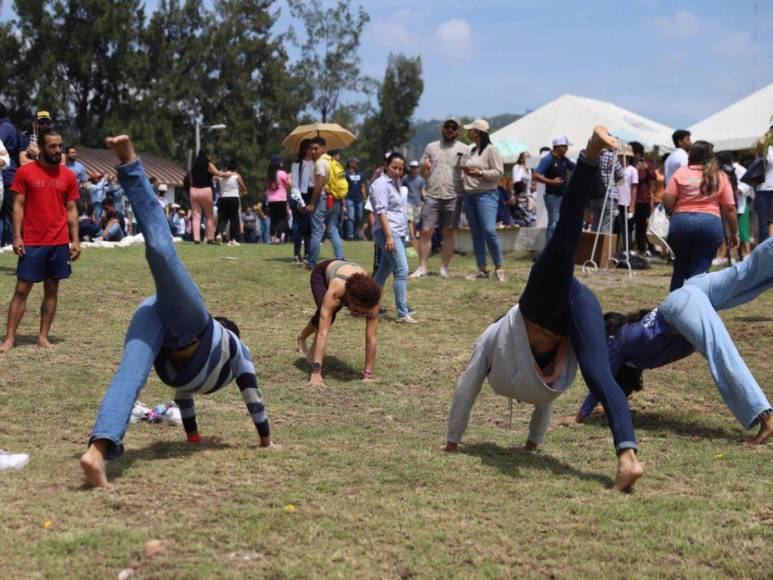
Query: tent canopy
column 575, row 117
column 740, row 125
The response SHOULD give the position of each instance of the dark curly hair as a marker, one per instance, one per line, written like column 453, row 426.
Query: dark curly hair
column 363, row 290
column 229, row 324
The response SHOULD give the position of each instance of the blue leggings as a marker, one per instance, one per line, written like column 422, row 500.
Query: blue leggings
column 556, row 301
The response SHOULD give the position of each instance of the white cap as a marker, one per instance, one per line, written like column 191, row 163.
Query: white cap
column 413, row 163
column 162, row 188
column 559, row 140
column 479, row 124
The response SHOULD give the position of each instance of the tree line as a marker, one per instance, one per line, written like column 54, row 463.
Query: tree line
column 107, row 66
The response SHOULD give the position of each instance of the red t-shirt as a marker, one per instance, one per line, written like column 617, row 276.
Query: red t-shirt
column 47, row 192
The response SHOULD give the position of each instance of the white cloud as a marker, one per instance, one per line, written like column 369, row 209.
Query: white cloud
column 735, row 44
column 454, row 40
column 393, row 33
column 683, row 24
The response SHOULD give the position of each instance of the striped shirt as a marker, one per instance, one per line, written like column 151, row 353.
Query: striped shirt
column 220, row 358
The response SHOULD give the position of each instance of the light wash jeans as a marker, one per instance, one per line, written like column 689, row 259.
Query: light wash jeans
column 553, row 205
column 481, row 212
column 394, row 262
column 692, row 311
column 172, row 318
column 322, row 220
column 265, row 230
column 354, row 209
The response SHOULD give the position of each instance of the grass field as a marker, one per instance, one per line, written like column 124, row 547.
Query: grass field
column 358, row 486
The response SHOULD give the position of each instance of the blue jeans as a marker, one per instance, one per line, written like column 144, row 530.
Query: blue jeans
column 97, row 205
column 555, row 300
column 394, row 262
column 762, row 202
column 114, row 234
column 695, row 238
column 481, row 212
column 692, row 311
column 325, row 220
column 354, row 209
column 172, row 318
column 265, row 230
column 553, row 205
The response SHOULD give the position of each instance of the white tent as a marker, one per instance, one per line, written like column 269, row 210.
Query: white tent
column 739, row 125
column 575, row 117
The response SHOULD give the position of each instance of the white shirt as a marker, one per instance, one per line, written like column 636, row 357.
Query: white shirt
column 302, row 175
column 745, row 190
column 767, row 185
column 229, row 186
column 7, row 160
column 676, row 160
column 521, row 173
column 624, row 189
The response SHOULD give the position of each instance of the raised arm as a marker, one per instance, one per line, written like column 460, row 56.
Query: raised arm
column 217, row 173
column 371, row 328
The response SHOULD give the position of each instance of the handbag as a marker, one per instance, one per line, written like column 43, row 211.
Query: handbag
column 755, row 174
column 658, row 227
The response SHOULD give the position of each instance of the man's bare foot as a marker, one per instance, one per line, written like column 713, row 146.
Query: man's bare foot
column 122, row 147
column 600, row 140
column 44, row 343
column 302, row 348
column 94, row 466
column 629, row 470
column 570, row 420
column 6, row 345
column 766, row 429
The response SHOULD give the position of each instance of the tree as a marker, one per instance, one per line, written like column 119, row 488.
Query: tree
column 330, row 62
column 398, row 98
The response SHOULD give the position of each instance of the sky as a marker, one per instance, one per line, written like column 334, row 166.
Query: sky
column 673, row 61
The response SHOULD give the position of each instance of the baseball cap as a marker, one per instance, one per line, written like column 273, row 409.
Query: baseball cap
column 560, row 140
column 354, row 159
column 43, row 117
column 451, row 119
column 478, row 124
column 414, row 163
column 162, row 188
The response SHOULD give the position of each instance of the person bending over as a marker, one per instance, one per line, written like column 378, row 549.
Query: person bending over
column 688, row 321
column 335, row 284
column 192, row 352
column 531, row 354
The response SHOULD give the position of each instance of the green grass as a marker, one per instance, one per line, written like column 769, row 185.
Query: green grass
column 373, row 495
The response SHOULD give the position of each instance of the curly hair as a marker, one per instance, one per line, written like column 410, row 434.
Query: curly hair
column 363, row 290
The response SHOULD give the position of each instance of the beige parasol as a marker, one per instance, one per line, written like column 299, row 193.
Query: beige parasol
column 336, row 136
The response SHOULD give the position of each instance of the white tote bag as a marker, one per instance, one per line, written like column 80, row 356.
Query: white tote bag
column 657, row 229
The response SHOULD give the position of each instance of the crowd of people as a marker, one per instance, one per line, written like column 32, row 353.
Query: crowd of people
column 531, row 354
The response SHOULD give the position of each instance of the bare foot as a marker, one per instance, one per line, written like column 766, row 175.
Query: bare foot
column 94, row 468
column 302, row 348
column 766, row 429
column 450, row 447
column 44, row 343
column 5, row 346
column 571, row 420
column 122, row 147
column 629, row 470
column 600, row 140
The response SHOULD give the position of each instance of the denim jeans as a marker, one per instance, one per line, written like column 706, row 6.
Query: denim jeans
column 325, row 220
column 301, row 231
column 394, row 262
column 6, row 215
column 763, row 199
column 265, row 230
column 481, row 212
column 553, row 205
column 555, row 300
column 692, row 311
column 354, row 209
column 172, row 318
column 114, row 234
column 602, row 222
column 695, row 238
column 97, row 205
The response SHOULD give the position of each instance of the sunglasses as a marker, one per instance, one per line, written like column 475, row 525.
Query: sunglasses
column 451, row 127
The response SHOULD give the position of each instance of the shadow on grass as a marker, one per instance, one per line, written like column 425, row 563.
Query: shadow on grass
column 287, row 260
column 655, row 422
column 160, row 450
column 334, row 368
column 758, row 318
column 26, row 339
column 509, row 460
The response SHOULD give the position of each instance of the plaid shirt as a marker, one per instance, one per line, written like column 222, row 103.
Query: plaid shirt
column 607, row 164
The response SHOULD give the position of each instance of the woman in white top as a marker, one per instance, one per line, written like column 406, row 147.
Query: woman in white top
column 231, row 188
column 764, row 197
column 532, row 353
column 302, row 175
column 525, row 207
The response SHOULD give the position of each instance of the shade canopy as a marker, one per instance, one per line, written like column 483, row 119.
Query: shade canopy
column 575, row 118
column 740, row 125
column 336, row 136
column 104, row 161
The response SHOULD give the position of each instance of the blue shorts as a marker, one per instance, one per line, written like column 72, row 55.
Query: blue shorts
column 44, row 263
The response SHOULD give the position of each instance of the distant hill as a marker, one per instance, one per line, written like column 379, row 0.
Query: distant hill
column 427, row 131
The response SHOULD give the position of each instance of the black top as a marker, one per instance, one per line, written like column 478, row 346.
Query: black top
column 559, row 167
column 200, row 176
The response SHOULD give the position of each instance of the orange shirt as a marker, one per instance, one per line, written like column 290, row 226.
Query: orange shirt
column 686, row 185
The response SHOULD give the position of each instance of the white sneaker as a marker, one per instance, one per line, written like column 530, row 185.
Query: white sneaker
column 13, row 460
column 419, row 273
column 139, row 411
column 233, row 243
column 444, row 272
column 407, row 319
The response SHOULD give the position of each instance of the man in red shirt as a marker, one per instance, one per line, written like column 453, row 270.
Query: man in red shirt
column 45, row 222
